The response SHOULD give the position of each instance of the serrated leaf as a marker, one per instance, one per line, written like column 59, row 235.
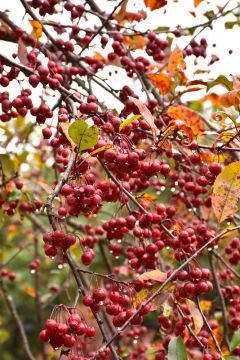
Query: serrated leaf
column 176, row 349
column 226, row 192
column 235, row 340
column 196, row 315
column 128, row 121
column 83, row 136
column 156, row 275
column 220, row 80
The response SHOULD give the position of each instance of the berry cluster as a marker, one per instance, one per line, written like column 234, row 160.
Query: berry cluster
column 57, row 241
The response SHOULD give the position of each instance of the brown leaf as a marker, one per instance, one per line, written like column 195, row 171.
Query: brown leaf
column 226, row 192
column 155, row 4
column 190, row 117
column 22, row 52
column 161, row 81
column 145, row 112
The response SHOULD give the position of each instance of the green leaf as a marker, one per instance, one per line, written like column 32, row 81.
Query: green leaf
column 128, row 121
column 231, row 24
column 229, row 357
column 14, row 195
column 176, row 349
column 7, row 164
column 162, row 29
column 235, row 341
column 221, row 80
column 83, row 136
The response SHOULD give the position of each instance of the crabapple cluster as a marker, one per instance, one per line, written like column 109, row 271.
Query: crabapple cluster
column 197, row 49
column 156, row 46
column 5, row 273
column 81, row 199
column 66, row 333
column 57, row 241
column 233, row 251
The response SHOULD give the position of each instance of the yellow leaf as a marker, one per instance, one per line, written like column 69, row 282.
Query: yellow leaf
column 156, row 275
column 191, row 118
column 36, row 29
column 196, row 315
column 226, row 192
column 161, row 81
column 155, row 4
column 205, row 305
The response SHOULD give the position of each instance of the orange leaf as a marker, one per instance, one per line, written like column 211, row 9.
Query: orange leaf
column 191, row 118
column 120, row 16
column 205, row 305
column 135, row 42
column 64, row 127
column 156, row 275
column 155, row 4
column 29, row 290
column 230, row 98
column 99, row 56
column 161, row 81
column 176, row 63
column 197, row 2
column 36, row 29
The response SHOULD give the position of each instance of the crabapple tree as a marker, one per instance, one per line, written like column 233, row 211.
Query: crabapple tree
column 119, row 181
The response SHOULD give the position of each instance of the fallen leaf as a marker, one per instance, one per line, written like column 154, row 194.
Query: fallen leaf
column 226, row 192
column 190, row 117
column 161, row 81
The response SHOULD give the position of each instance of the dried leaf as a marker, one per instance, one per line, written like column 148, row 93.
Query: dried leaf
column 36, row 29
column 28, row 289
column 226, row 192
column 161, row 81
column 156, row 275
column 155, row 4
column 191, row 118
column 196, row 315
column 64, row 127
column 145, row 112
column 22, row 52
